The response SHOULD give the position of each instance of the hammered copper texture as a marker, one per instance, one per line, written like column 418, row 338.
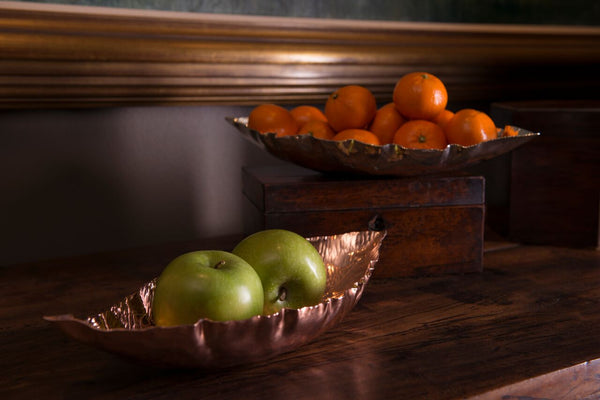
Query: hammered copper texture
column 126, row 328
column 390, row 159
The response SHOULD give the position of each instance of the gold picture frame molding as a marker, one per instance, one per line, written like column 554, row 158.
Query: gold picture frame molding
column 82, row 56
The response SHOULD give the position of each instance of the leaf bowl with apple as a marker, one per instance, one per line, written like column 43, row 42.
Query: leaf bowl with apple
column 128, row 328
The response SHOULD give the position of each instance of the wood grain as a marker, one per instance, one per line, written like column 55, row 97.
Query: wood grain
column 434, row 224
column 59, row 55
column 525, row 327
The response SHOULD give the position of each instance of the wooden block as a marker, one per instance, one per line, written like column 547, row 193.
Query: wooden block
column 434, row 224
column 555, row 179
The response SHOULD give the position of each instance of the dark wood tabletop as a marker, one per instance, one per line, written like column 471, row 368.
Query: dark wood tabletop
column 528, row 326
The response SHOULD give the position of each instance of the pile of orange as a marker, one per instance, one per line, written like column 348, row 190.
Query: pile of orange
column 416, row 118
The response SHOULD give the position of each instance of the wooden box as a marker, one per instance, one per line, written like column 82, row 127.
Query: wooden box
column 554, row 184
column 434, row 224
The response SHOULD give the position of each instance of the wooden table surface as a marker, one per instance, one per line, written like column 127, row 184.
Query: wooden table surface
column 534, row 312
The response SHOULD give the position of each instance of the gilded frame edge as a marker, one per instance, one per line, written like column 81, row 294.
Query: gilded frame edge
column 79, row 56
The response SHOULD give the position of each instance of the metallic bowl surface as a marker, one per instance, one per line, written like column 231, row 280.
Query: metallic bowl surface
column 390, row 159
column 126, row 328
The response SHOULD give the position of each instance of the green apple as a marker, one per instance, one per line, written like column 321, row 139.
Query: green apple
column 290, row 268
column 209, row 284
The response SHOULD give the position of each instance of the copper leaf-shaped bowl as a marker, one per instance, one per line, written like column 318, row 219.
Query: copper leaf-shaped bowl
column 390, row 159
column 126, row 328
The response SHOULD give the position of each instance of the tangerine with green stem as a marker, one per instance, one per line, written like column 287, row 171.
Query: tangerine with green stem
column 420, row 134
column 350, row 107
column 420, row 95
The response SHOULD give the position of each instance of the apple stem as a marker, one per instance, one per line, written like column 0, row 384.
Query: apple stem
column 282, row 294
column 219, row 264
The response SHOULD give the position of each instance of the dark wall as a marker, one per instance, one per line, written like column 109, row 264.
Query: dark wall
column 549, row 12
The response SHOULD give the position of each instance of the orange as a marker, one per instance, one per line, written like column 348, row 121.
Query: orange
column 272, row 118
column 510, row 131
column 420, row 134
column 361, row 135
column 386, row 122
column 443, row 118
column 303, row 114
column 420, row 95
column 318, row 129
column 469, row 127
column 350, row 107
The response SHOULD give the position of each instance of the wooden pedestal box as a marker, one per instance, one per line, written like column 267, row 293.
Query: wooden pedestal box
column 555, row 179
column 434, row 224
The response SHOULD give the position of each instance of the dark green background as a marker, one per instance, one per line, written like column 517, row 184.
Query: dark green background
column 546, row 12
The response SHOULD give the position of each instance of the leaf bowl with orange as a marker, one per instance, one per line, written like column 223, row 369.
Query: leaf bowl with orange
column 413, row 135
column 353, row 156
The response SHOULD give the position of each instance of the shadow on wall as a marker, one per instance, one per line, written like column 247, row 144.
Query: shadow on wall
column 83, row 181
